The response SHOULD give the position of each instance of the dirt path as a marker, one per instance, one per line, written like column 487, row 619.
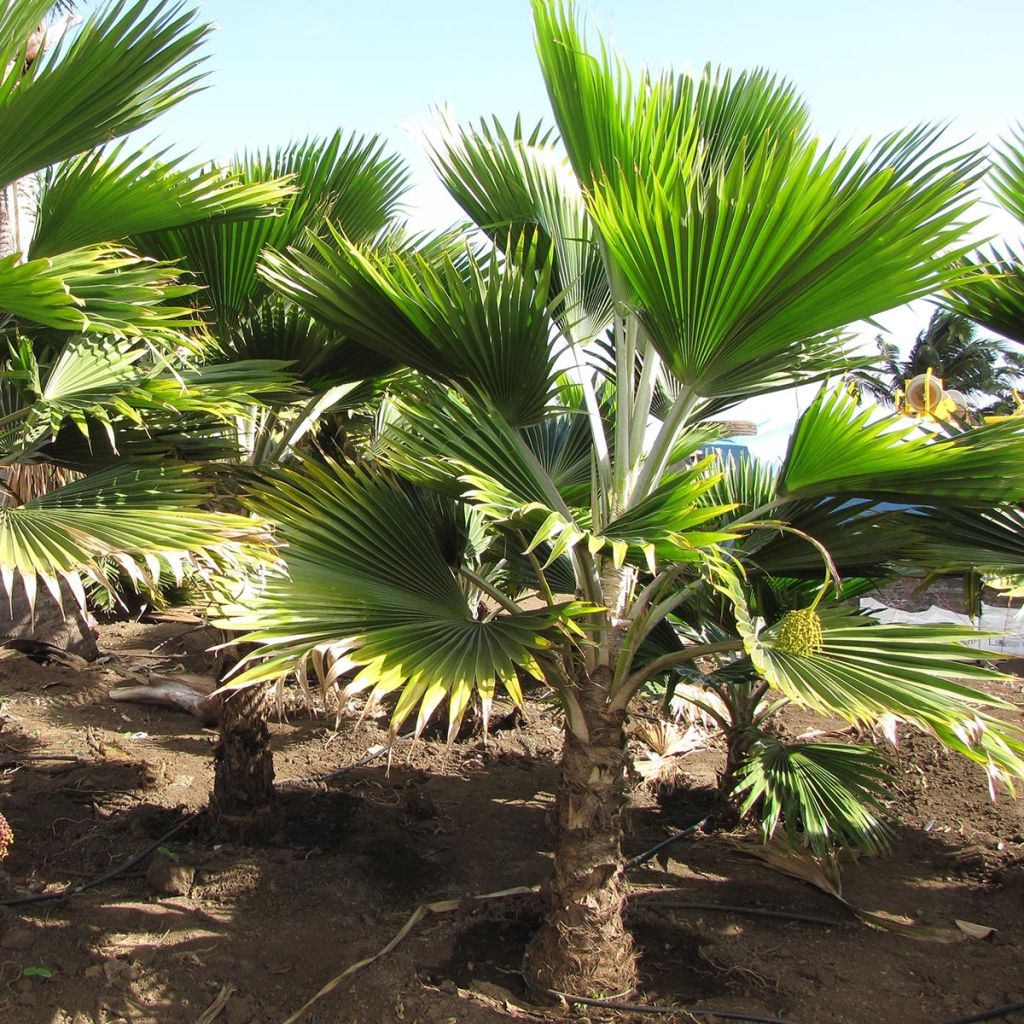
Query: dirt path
column 359, row 853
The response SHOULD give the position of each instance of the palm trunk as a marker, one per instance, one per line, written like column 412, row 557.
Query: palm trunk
column 583, row 947
column 744, row 703
column 243, row 803
column 45, row 625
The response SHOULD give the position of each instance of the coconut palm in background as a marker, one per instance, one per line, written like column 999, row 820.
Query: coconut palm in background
column 685, row 244
column 985, row 370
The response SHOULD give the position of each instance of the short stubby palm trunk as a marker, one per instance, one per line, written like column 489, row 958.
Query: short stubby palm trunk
column 583, row 947
column 243, row 804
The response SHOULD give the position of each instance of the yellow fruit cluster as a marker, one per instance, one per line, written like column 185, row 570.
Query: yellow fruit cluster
column 800, row 633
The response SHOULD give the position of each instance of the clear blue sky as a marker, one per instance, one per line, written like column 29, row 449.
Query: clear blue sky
column 286, row 68
column 283, row 69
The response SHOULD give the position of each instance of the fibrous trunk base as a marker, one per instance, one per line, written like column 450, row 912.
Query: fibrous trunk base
column 583, row 947
column 243, row 804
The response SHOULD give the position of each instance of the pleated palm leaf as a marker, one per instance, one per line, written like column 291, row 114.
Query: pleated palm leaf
column 693, row 246
column 93, row 332
column 994, row 295
column 339, row 184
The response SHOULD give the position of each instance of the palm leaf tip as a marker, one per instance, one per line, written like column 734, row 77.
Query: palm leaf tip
column 148, row 519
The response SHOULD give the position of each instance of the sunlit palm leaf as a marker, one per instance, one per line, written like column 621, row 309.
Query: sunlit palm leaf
column 826, row 794
column 482, row 325
column 99, row 289
column 1007, row 174
column 614, row 123
column 128, row 63
column 351, row 183
column 278, row 329
column 516, row 185
column 143, row 517
column 735, row 276
column 447, row 444
column 221, row 390
column 108, row 194
column 994, row 294
column 839, row 449
column 866, row 671
column 369, row 578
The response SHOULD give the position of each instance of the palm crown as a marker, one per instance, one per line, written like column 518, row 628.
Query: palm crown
column 538, row 503
column 101, row 376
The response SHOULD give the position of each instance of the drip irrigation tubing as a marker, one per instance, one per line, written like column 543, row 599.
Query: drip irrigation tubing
column 729, row 908
column 643, row 858
column 994, row 1014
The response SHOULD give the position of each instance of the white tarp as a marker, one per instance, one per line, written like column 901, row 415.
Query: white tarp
column 1008, row 622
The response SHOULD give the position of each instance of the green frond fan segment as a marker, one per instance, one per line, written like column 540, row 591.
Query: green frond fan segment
column 69, row 101
column 115, row 192
column 748, row 246
column 794, row 232
column 824, row 795
column 517, row 185
column 992, row 292
column 1006, row 176
column 367, row 580
column 863, row 671
column 146, row 518
column 611, row 120
column 348, row 184
column 100, row 289
column 839, row 448
column 480, row 324
column 521, row 479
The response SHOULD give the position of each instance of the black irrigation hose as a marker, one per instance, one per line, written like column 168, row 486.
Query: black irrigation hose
column 327, row 776
column 999, row 1011
column 76, row 890
column 643, row 858
column 727, row 908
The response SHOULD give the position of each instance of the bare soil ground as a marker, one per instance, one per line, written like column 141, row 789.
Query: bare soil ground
column 359, row 853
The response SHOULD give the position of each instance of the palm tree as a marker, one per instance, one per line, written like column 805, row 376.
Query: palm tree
column 353, row 184
column 98, row 336
column 985, row 370
column 692, row 245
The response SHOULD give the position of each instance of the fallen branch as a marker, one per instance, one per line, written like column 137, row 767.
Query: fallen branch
column 212, row 1012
